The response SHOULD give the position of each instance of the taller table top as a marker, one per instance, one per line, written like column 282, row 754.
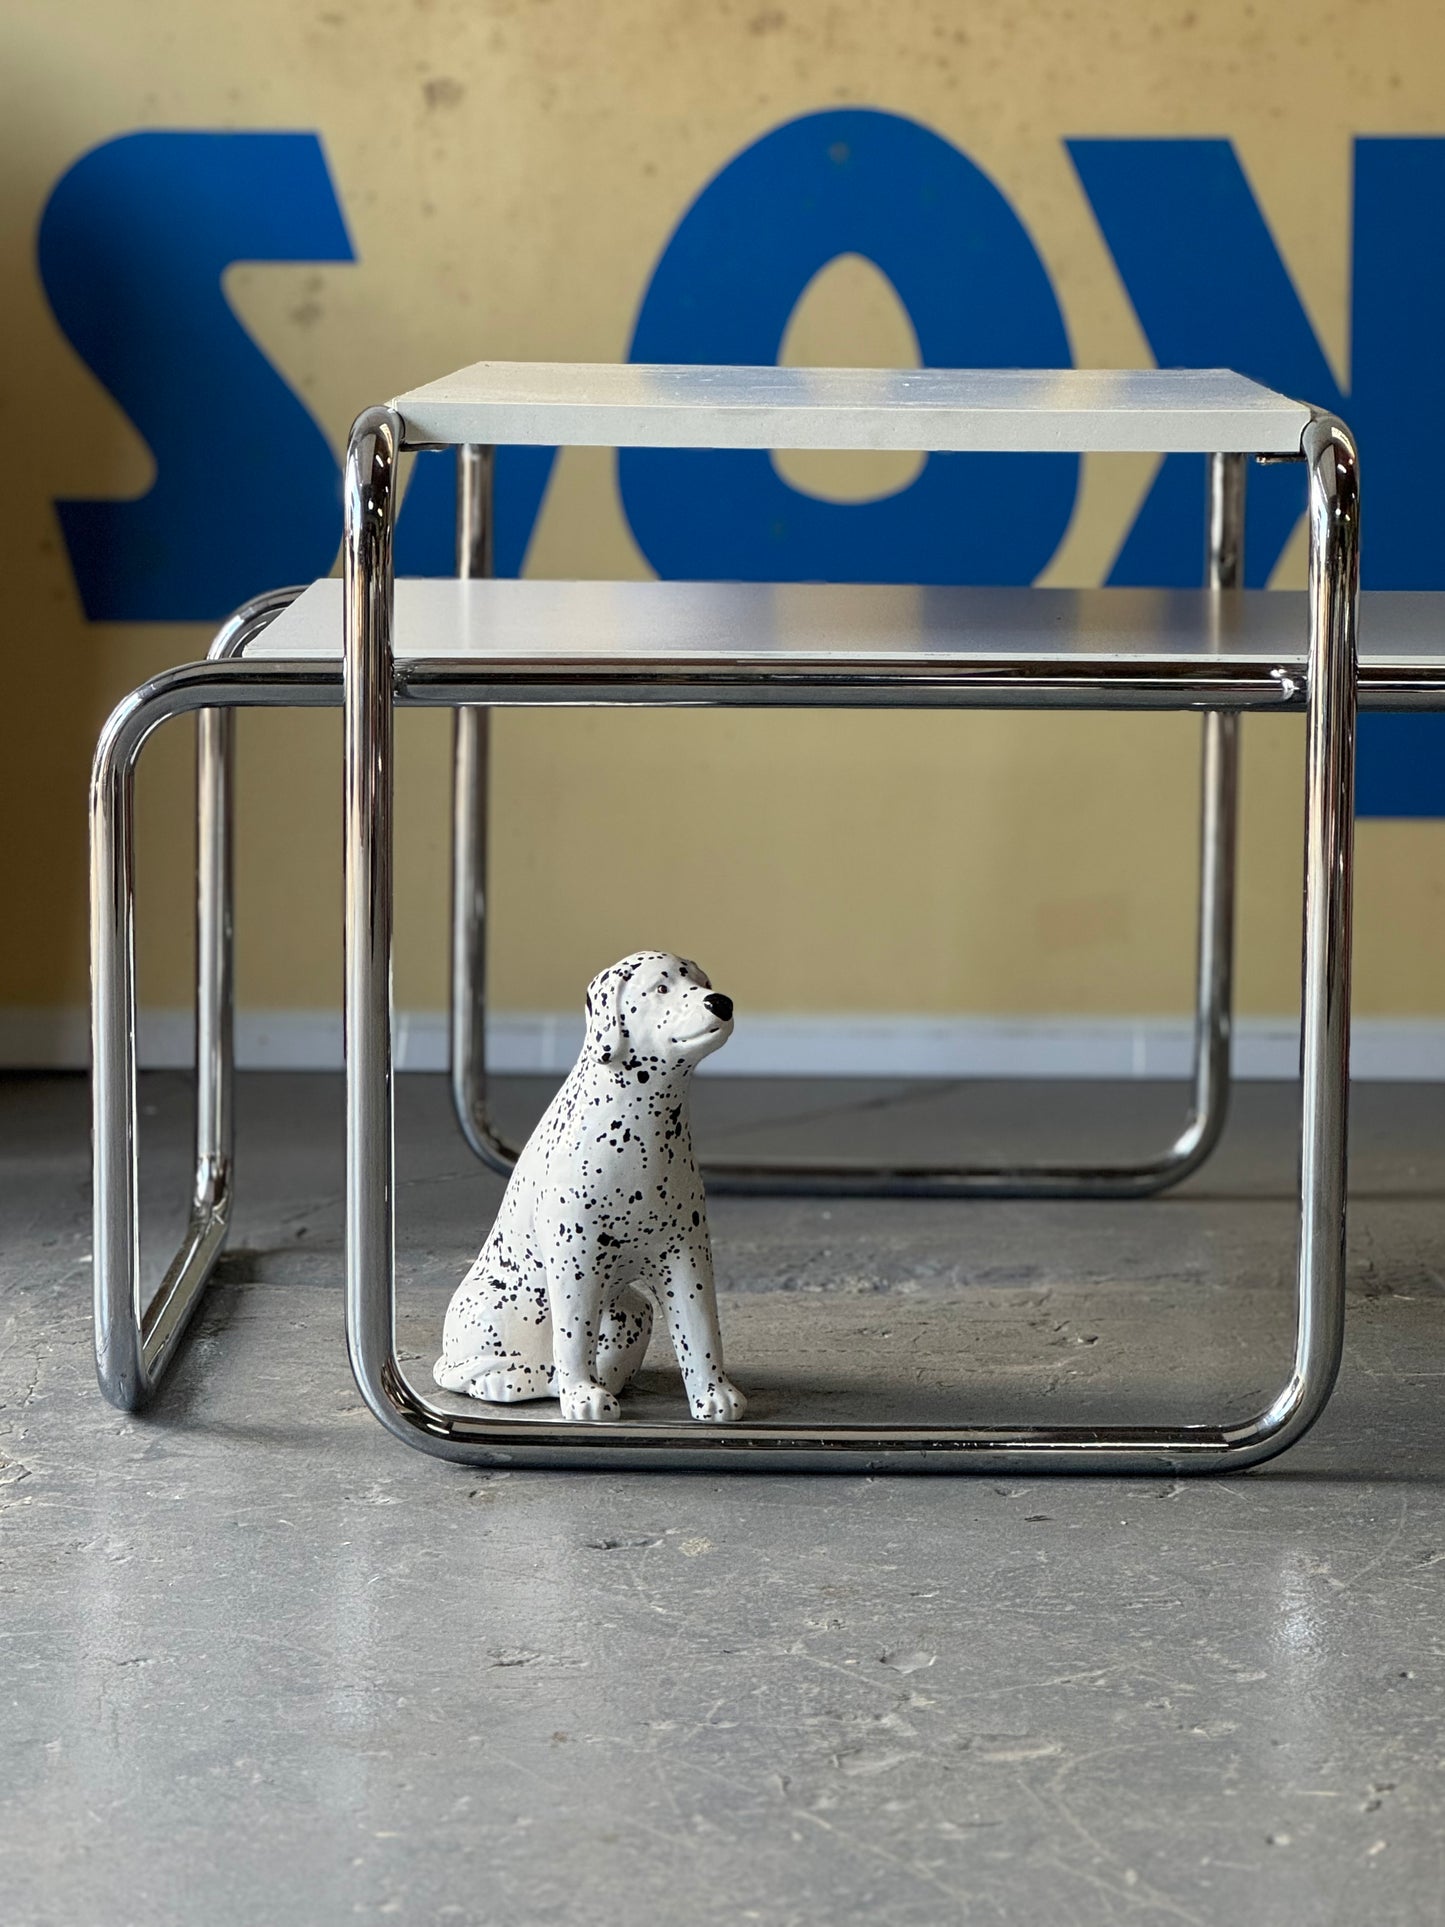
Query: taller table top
column 1163, row 411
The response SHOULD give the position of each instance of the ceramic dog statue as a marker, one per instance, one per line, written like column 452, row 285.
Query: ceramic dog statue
column 604, row 1216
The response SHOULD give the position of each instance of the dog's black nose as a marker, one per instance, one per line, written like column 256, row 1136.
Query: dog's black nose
column 719, row 1005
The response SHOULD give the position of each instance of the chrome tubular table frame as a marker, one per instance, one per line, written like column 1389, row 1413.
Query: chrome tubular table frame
column 373, row 686
column 1214, row 970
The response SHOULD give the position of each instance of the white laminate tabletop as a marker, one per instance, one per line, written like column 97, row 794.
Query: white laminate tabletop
column 979, row 410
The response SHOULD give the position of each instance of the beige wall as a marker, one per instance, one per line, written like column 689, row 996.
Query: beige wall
column 935, row 863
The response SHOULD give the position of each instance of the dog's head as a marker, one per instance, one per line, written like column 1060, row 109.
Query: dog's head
column 655, row 1012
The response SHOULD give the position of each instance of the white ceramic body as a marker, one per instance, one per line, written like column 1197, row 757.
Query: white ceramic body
column 604, row 1217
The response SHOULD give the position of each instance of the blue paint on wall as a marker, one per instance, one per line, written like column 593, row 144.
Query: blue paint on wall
column 875, row 184
column 132, row 247
column 138, row 233
column 1210, row 289
column 426, row 526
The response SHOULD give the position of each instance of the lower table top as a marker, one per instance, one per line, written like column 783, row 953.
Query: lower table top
column 1260, row 635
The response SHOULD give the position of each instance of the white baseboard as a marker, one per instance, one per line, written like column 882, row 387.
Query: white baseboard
column 1404, row 1049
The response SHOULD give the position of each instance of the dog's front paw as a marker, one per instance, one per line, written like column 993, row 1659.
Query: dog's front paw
column 720, row 1401
column 582, row 1400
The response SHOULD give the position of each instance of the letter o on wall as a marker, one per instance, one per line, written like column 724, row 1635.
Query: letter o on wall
column 855, row 181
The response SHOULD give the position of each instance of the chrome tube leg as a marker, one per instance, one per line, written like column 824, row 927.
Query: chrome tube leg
column 1218, row 846
column 215, row 956
column 471, row 779
column 1334, row 580
column 135, row 1344
column 368, row 600
column 215, row 914
column 118, row 1348
column 471, row 746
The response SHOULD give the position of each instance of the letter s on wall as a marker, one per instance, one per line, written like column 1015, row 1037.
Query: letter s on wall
column 132, row 247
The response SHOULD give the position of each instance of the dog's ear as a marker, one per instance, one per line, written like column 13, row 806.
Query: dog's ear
column 605, row 1027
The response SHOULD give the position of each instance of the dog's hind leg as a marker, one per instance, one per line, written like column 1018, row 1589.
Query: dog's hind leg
column 497, row 1342
column 622, row 1341
column 499, row 1382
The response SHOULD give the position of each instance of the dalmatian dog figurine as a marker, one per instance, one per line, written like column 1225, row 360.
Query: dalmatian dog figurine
column 604, row 1216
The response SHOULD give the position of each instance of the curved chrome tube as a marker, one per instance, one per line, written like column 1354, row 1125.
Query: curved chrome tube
column 368, row 695
column 474, row 1437
column 471, row 801
column 1218, row 846
column 133, row 1343
column 1334, row 593
column 751, row 1177
column 499, row 682
column 215, row 900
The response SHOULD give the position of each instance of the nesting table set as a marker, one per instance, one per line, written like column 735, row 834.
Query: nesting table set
column 369, row 643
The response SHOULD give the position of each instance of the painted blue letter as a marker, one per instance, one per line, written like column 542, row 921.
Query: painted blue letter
column 849, row 182
column 132, row 247
column 1211, row 290
column 426, row 542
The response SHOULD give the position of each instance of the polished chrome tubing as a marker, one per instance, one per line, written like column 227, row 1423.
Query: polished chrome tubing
column 215, row 904
column 1334, row 588
column 1415, row 687
column 500, row 682
column 476, row 525
column 368, row 672
column 119, row 1361
column 1214, row 997
column 474, row 1437
column 135, row 1343
column 1218, row 847
column 471, row 782
column 862, row 682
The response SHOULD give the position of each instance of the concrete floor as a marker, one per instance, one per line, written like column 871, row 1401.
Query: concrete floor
column 264, row 1665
